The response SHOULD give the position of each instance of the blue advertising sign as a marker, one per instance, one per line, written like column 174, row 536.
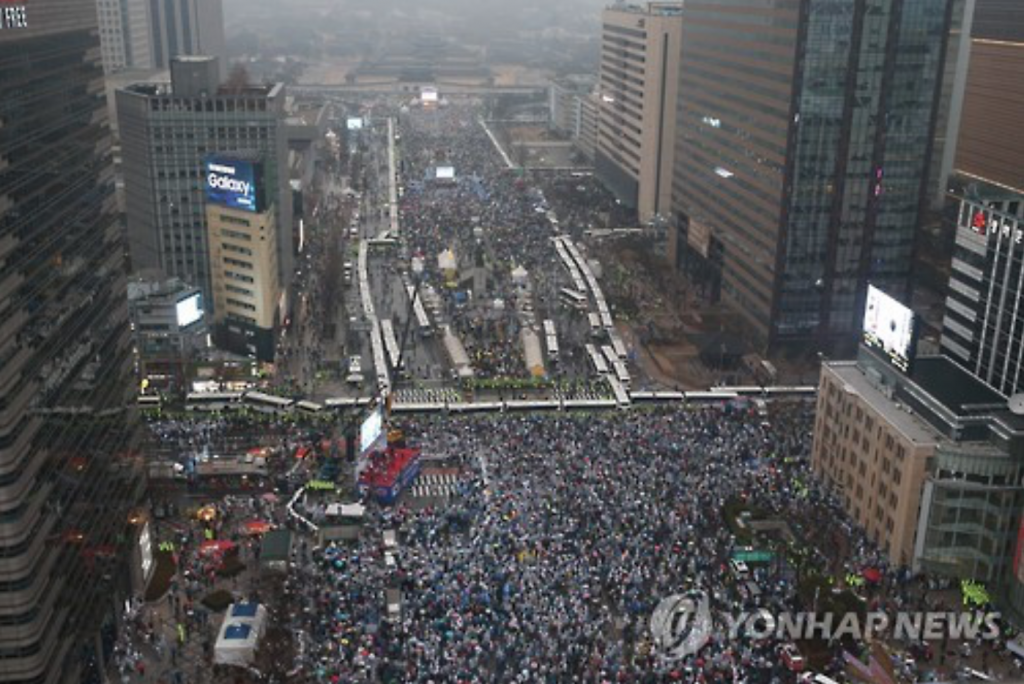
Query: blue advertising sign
column 232, row 183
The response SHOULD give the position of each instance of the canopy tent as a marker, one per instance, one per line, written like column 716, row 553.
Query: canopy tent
column 519, row 276
column 240, row 633
column 446, row 260
column 354, row 510
column 276, row 550
column 212, row 547
column 255, row 527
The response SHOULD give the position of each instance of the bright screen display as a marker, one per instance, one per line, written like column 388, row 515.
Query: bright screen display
column 354, row 123
column 370, row 431
column 889, row 327
column 429, row 95
column 445, row 172
column 146, row 551
column 189, row 310
column 231, row 183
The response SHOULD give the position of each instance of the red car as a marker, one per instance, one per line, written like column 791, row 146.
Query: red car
column 791, row 658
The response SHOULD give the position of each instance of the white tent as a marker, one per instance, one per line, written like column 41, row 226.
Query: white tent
column 446, row 260
column 340, row 510
column 519, row 276
column 240, row 633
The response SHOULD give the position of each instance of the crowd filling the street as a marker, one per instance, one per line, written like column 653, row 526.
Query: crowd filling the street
column 544, row 564
column 524, row 547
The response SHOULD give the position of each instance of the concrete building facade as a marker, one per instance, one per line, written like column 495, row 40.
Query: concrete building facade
column 167, row 132
column 983, row 327
column 636, row 115
column 125, row 32
column 187, row 28
column 990, row 145
column 873, row 455
column 245, row 276
column 930, row 464
column 805, row 133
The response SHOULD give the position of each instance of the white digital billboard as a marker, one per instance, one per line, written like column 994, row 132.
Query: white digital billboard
column 189, row 310
column 146, row 551
column 354, row 123
column 370, row 431
column 428, row 95
column 445, row 172
column 890, row 328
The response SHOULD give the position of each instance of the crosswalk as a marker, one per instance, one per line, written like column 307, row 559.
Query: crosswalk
column 435, row 485
column 438, row 395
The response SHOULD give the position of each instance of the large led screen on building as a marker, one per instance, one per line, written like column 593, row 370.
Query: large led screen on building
column 189, row 310
column 889, row 327
column 445, row 172
column 233, row 183
column 371, row 430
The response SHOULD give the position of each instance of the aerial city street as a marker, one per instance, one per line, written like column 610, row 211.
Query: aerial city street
column 467, row 343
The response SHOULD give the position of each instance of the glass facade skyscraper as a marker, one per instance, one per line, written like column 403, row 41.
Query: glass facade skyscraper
column 69, row 480
column 805, row 133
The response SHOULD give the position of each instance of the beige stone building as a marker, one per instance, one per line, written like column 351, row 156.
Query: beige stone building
column 874, row 454
column 637, row 87
column 244, row 275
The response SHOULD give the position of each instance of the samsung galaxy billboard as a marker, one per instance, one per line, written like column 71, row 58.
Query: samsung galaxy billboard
column 233, row 183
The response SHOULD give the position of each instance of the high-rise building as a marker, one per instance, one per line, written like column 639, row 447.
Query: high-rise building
column 565, row 97
column 69, row 482
column 636, row 120
column 983, row 328
column 805, row 130
column 125, row 33
column 167, row 132
column 243, row 254
column 990, row 144
column 572, row 109
column 187, row 28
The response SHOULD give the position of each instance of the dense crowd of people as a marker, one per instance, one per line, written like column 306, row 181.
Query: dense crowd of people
column 494, row 219
column 569, row 532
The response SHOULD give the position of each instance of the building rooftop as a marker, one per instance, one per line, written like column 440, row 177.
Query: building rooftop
column 954, row 387
column 652, row 8
column 856, row 382
column 164, row 89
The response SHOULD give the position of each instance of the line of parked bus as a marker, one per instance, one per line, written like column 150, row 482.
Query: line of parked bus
column 268, row 403
column 551, row 340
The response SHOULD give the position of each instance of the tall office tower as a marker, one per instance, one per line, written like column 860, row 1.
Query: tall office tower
column 124, row 34
column 187, row 27
column 983, row 328
column 990, row 145
column 167, row 132
column 243, row 253
column 951, row 100
column 805, row 131
column 68, row 483
column 636, row 120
